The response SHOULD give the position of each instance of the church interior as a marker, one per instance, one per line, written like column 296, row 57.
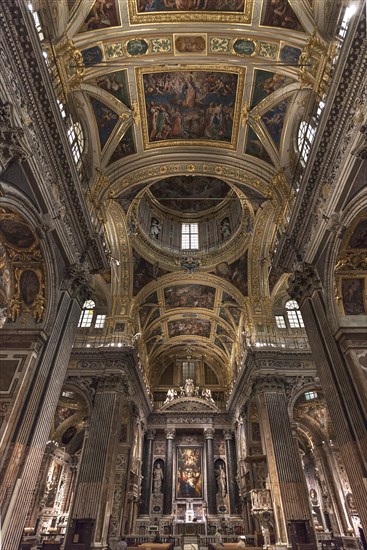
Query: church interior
column 183, row 272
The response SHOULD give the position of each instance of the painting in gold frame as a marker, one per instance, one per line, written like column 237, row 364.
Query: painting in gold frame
column 190, row 106
column 177, row 11
column 189, row 480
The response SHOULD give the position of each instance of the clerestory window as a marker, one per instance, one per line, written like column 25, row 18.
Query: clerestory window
column 294, row 315
column 190, row 236
column 86, row 316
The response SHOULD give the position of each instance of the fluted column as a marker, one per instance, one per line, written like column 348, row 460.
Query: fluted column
column 210, row 473
column 168, row 472
column 147, row 472
column 93, row 493
column 37, row 408
column 288, row 484
column 232, row 473
column 342, row 392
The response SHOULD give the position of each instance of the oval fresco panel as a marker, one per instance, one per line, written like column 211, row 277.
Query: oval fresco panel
column 29, row 286
column 16, row 233
column 138, row 46
column 244, row 47
column 190, row 193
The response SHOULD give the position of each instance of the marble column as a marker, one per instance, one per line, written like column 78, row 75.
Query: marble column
column 287, row 481
column 94, row 488
column 168, row 472
column 210, row 473
column 342, row 390
column 37, row 409
column 147, row 472
column 232, row 473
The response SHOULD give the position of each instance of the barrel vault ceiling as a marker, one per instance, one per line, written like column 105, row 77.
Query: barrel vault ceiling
column 188, row 106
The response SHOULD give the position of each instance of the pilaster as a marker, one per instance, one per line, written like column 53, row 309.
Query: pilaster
column 287, row 482
column 342, row 396
column 100, row 458
column 20, row 473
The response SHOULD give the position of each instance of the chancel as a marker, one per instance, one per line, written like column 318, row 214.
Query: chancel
column 183, row 271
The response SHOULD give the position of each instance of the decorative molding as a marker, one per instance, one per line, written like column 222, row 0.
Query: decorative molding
column 209, row 433
column 13, row 146
column 303, row 283
column 170, row 433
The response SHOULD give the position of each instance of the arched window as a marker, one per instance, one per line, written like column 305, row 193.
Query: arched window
column 76, row 140
column 294, row 315
column 86, row 315
column 306, row 135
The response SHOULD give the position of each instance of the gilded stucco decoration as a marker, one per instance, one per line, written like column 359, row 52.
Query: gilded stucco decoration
column 215, row 79
column 351, row 270
column 24, row 268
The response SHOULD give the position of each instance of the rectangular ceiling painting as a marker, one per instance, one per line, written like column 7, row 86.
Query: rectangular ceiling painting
column 191, row 106
column 148, row 6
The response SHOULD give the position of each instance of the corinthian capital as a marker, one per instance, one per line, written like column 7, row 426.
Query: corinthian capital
column 303, row 282
column 170, row 433
column 268, row 384
column 209, row 433
column 78, row 281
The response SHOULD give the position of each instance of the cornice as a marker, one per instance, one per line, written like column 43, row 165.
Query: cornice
column 332, row 139
column 260, row 363
column 96, row 362
column 35, row 91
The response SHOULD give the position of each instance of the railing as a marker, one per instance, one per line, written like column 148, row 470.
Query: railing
column 206, row 540
column 219, row 404
column 279, row 342
column 92, row 340
column 136, row 539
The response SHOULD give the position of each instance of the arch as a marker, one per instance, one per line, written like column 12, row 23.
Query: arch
column 16, row 202
column 357, row 207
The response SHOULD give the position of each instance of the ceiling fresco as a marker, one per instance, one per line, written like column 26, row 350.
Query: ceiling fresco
column 189, row 296
column 116, row 84
column 191, row 106
column 190, row 193
column 187, row 102
column 280, row 14
column 101, row 16
column 186, row 10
